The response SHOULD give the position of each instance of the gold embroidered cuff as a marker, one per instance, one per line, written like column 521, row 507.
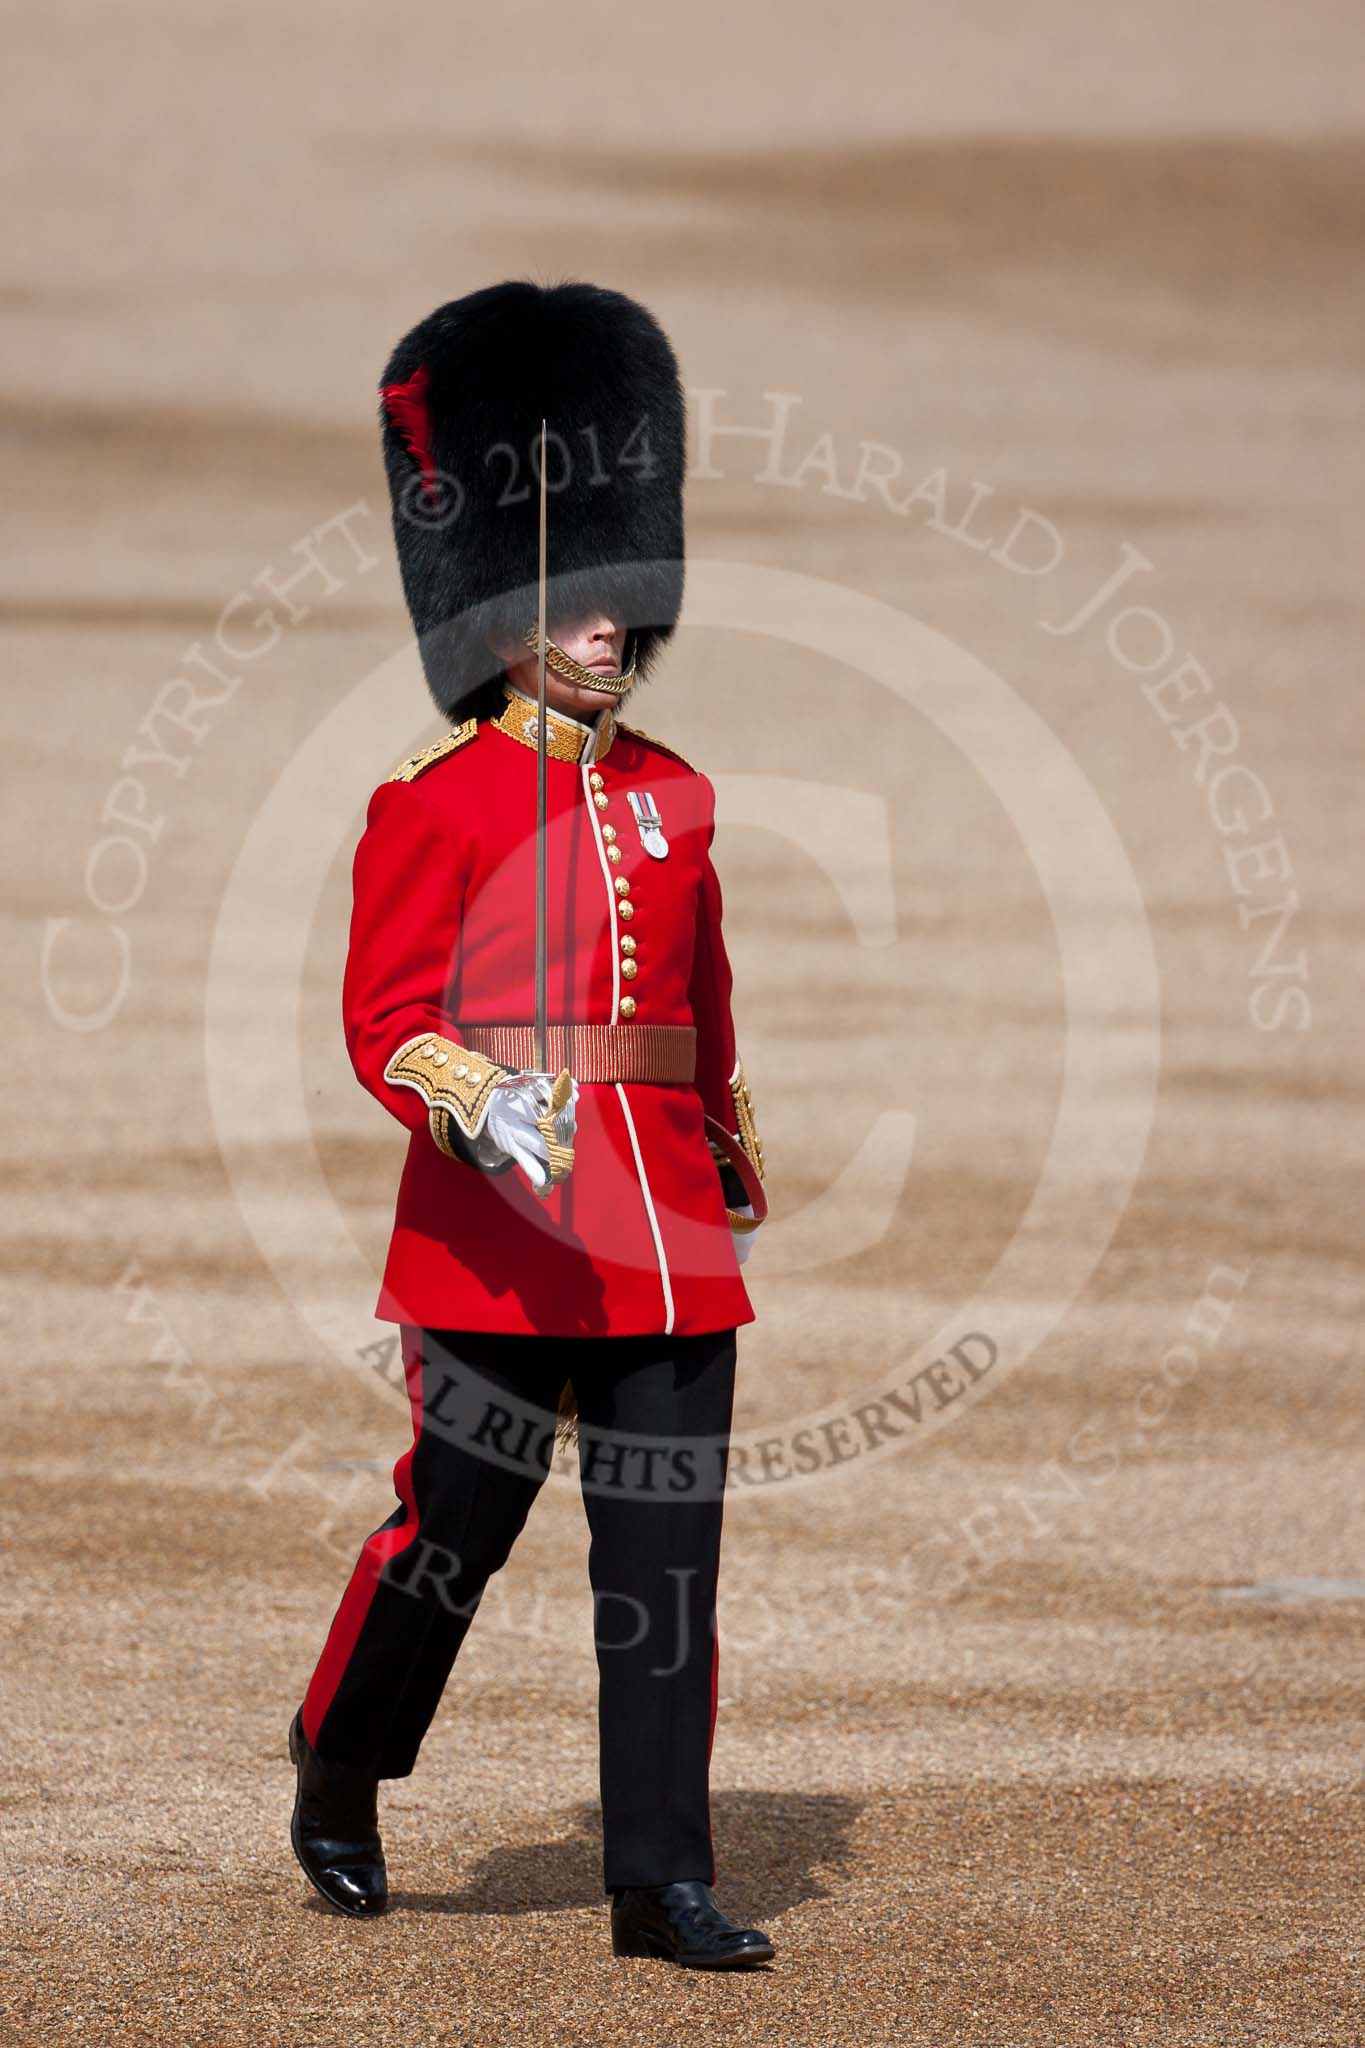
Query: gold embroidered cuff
column 450, row 1079
column 441, row 1130
column 744, row 1118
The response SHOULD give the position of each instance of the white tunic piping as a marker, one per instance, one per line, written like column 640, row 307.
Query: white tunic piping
column 641, row 1175
column 611, row 899
column 649, row 1211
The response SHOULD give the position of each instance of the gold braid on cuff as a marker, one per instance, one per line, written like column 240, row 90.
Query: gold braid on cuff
column 744, row 1119
column 451, row 1080
column 574, row 672
column 440, row 1122
column 747, row 1132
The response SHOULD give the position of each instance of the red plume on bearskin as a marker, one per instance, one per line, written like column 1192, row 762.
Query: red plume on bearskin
column 463, row 396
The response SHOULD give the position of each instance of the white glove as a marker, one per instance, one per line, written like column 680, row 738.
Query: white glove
column 510, row 1129
column 744, row 1239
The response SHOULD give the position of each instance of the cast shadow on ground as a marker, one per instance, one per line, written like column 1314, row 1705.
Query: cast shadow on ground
column 769, row 1846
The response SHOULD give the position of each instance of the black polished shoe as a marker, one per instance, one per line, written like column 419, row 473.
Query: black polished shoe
column 335, row 1829
column 683, row 1923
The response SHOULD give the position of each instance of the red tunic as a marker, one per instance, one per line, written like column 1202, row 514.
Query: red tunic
column 636, row 1241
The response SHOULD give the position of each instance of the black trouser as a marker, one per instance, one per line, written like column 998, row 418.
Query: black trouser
column 654, row 1425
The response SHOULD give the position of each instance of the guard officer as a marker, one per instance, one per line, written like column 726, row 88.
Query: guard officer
column 574, row 1208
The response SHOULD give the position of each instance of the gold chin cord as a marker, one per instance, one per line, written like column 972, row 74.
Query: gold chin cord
column 573, row 671
column 559, row 1154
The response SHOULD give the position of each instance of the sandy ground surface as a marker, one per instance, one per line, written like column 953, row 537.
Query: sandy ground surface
column 1047, row 1727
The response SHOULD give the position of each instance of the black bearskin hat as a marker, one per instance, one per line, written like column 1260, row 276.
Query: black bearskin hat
column 463, row 396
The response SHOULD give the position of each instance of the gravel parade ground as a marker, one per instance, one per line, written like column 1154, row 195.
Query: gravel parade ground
column 1023, row 360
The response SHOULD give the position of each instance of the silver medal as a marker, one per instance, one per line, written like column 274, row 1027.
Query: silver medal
column 647, row 818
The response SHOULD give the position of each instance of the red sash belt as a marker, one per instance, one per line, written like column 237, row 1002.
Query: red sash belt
column 593, row 1052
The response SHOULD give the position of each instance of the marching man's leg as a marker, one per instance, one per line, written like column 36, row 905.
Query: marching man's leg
column 419, row 1578
column 655, row 1511
column 483, row 1425
column 654, row 1562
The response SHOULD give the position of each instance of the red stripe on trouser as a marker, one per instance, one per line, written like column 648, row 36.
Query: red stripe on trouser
column 378, row 1549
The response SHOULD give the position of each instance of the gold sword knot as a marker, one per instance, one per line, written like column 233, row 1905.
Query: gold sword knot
column 560, row 1154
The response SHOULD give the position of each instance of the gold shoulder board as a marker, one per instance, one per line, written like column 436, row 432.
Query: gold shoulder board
column 429, row 756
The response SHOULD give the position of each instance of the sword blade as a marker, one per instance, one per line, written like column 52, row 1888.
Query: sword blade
column 542, row 1024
